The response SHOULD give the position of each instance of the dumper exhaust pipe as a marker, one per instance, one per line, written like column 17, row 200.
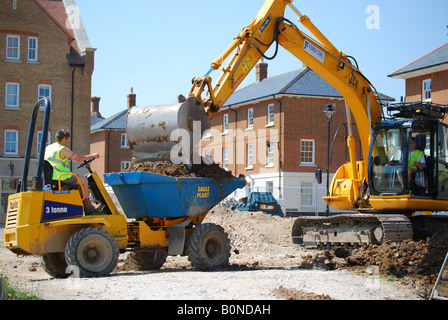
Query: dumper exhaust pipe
column 167, row 132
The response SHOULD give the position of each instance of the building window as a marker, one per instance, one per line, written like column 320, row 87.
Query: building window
column 32, row 49
column 225, row 158
column 125, row 164
column 270, row 186
column 250, row 118
column 12, row 48
column 124, row 141
column 39, row 140
column 12, row 95
column 225, row 123
column 250, row 156
column 307, row 152
column 426, row 92
column 270, row 115
column 44, row 90
column 11, row 142
column 270, row 153
column 306, row 194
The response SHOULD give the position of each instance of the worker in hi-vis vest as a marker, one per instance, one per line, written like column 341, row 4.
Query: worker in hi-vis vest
column 416, row 159
column 58, row 154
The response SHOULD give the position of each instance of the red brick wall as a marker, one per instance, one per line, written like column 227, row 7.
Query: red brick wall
column 301, row 118
column 52, row 68
column 439, row 87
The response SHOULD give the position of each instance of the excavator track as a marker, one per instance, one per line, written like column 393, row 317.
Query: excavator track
column 350, row 230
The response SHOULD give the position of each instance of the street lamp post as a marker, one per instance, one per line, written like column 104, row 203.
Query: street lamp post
column 329, row 112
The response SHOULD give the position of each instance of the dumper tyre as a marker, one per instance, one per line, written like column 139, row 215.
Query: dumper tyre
column 55, row 265
column 144, row 260
column 208, row 247
column 92, row 252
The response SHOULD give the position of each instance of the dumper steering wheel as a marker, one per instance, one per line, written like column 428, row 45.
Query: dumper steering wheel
column 86, row 163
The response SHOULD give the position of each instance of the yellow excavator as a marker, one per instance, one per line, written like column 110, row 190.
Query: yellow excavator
column 378, row 185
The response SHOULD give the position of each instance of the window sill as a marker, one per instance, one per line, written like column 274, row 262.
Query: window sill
column 249, row 168
column 12, row 108
column 307, row 165
column 250, row 129
column 271, row 165
column 269, row 125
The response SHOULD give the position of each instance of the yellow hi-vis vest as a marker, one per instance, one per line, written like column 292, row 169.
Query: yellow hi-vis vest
column 60, row 166
column 415, row 158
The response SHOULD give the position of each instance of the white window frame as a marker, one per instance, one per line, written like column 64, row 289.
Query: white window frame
column 12, row 57
column 306, row 189
column 125, row 164
column 39, row 139
column 33, row 50
column 250, row 156
column 426, row 92
column 250, row 118
column 225, row 123
column 302, row 151
column 44, row 87
column 270, row 186
column 17, row 95
column 269, row 153
column 124, row 143
column 15, row 143
column 270, row 115
column 225, row 158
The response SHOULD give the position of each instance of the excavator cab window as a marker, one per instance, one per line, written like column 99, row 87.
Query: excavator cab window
column 387, row 167
column 442, row 162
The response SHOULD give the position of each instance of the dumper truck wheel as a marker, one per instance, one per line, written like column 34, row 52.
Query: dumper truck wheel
column 208, row 247
column 54, row 264
column 144, row 260
column 93, row 251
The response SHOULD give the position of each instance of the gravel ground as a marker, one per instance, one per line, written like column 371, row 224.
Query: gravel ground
column 264, row 265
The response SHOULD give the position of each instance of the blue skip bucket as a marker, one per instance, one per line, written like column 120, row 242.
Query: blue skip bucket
column 147, row 195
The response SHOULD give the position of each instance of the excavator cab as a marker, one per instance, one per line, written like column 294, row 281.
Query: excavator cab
column 412, row 126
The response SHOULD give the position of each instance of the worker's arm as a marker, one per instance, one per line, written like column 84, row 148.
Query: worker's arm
column 67, row 153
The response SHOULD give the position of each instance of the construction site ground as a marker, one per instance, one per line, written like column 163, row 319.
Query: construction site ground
column 264, row 265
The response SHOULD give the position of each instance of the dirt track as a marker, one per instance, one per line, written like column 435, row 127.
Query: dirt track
column 263, row 265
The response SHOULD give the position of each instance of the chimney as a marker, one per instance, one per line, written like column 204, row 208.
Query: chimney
column 261, row 71
column 131, row 98
column 95, row 106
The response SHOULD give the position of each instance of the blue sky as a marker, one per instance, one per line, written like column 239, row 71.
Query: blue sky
column 157, row 47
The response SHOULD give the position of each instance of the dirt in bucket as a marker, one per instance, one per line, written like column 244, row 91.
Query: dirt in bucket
column 167, row 168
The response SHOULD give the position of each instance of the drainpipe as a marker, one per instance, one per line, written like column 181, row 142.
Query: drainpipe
column 71, row 114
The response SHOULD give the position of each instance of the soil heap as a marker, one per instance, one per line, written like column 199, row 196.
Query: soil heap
column 166, row 168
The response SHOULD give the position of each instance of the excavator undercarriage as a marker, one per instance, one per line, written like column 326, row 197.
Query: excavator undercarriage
column 350, row 230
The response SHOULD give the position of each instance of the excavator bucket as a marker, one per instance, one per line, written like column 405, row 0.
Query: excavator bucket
column 167, row 132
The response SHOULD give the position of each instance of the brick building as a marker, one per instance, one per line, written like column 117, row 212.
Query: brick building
column 276, row 133
column 44, row 51
column 108, row 138
column 427, row 77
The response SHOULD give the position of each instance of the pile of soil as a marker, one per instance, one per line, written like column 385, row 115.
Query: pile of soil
column 417, row 259
column 166, row 168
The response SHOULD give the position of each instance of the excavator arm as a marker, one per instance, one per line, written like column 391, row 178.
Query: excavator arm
column 271, row 28
column 150, row 128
